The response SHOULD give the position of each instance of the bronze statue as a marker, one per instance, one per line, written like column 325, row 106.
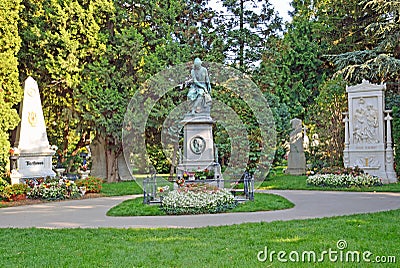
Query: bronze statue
column 200, row 91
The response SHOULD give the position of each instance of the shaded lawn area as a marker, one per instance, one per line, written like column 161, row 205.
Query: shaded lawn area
column 227, row 246
column 262, row 202
column 280, row 181
column 121, row 188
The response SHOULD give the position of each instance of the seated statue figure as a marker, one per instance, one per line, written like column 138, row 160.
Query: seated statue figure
column 200, row 91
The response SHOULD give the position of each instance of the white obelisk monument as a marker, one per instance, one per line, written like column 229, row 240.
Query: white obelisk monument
column 35, row 159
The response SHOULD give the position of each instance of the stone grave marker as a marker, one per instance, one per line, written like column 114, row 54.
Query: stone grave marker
column 35, row 155
column 368, row 136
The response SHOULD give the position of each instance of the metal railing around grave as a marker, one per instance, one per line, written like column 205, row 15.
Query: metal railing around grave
column 247, row 182
column 150, row 190
column 151, row 194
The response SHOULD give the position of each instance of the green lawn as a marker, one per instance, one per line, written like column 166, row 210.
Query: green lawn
column 227, row 246
column 262, row 202
column 121, row 188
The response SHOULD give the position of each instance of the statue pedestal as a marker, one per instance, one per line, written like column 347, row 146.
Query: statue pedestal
column 36, row 165
column 198, row 146
column 15, row 177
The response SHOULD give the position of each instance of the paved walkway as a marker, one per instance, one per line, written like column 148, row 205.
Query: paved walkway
column 91, row 213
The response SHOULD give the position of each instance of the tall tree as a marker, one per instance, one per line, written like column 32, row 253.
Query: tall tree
column 10, row 89
column 247, row 28
column 60, row 39
column 296, row 64
column 380, row 61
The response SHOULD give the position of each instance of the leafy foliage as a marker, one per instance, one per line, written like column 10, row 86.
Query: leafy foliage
column 246, row 32
column 328, row 119
column 10, row 89
column 381, row 62
column 10, row 192
column 53, row 189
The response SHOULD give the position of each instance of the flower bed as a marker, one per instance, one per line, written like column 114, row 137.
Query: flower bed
column 53, row 189
column 92, row 184
column 197, row 199
column 343, row 180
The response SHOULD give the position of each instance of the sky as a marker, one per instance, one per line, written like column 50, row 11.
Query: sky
column 282, row 6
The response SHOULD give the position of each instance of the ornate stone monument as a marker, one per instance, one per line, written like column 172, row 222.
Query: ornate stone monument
column 35, row 155
column 296, row 157
column 198, row 145
column 368, row 138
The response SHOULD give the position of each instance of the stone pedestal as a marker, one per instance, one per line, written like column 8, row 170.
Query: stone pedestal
column 35, row 155
column 198, row 146
column 365, row 143
column 15, row 177
column 296, row 157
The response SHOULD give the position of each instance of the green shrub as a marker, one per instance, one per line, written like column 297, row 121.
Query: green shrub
column 9, row 191
column 92, row 184
column 3, row 185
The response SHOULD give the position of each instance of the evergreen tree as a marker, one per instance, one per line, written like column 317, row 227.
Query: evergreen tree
column 380, row 61
column 246, row 29
column 10, row 89
column 60, row 39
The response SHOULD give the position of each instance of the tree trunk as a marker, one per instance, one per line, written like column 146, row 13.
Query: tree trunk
column 98, row 151
column 112, row 165
column 123, row 170
column 173, row 162
column 104, row 160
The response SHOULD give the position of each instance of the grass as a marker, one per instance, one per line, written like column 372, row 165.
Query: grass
column 226, row 246
column 121, row 188
column 281, row 181
column 135, row 207
column 262, row 202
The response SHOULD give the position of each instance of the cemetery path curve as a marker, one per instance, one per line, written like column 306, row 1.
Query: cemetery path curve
column 91, row 213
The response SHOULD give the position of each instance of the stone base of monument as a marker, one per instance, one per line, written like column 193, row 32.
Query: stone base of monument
column 296, row 164
column 36, row 165
column 372, row 163
column 15, row 177
column 190, row 168
column 198, row 149
column 295, row 171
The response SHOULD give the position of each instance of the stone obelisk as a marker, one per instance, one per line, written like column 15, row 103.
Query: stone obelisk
column 35, row 155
